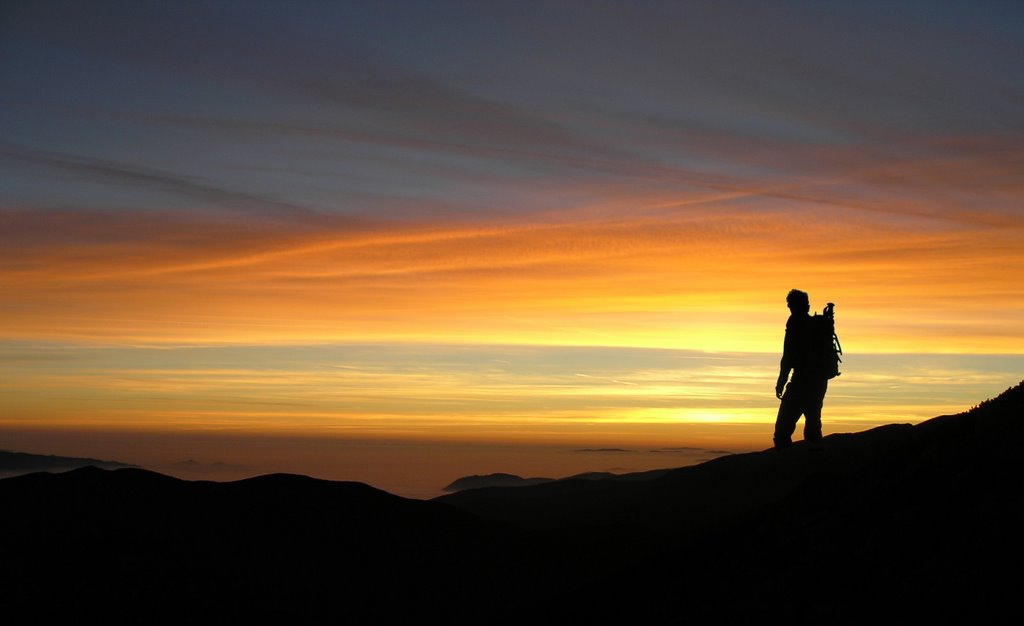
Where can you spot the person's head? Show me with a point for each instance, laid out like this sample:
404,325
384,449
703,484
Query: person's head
797,301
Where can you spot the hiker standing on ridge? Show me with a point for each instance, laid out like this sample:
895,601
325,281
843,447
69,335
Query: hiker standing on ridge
805,394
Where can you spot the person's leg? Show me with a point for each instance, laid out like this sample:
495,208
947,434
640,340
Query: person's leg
789,413
814,399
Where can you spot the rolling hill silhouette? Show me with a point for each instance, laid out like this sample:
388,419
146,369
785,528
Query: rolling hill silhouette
477,481
899,524
15,463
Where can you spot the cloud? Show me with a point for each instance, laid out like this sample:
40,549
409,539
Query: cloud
357,83
153,179
702,101
688,451
595,277
214,470
658,180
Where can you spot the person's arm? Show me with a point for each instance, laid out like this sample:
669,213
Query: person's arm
780,384
786,364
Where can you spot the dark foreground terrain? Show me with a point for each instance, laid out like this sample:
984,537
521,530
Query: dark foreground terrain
899,524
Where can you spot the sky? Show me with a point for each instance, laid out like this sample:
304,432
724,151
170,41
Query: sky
402,242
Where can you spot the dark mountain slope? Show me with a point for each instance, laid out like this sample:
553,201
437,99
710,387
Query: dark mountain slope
687,498
690,498
285,548
923,527
900,524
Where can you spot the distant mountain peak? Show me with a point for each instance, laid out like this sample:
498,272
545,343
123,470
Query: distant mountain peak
15,463
498,479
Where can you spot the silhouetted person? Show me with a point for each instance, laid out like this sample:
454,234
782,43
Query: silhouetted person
805,393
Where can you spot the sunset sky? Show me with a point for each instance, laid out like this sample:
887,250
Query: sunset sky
387,240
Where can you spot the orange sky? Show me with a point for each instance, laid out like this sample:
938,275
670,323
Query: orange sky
648,272
690,272
371,223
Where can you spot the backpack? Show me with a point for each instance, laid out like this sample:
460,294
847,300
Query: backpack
825,352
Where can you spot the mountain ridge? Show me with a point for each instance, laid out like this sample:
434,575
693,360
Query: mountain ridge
502,479
15,463
902,523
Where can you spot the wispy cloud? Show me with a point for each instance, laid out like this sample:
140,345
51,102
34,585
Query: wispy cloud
704,280
684,403
702,101
154,180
